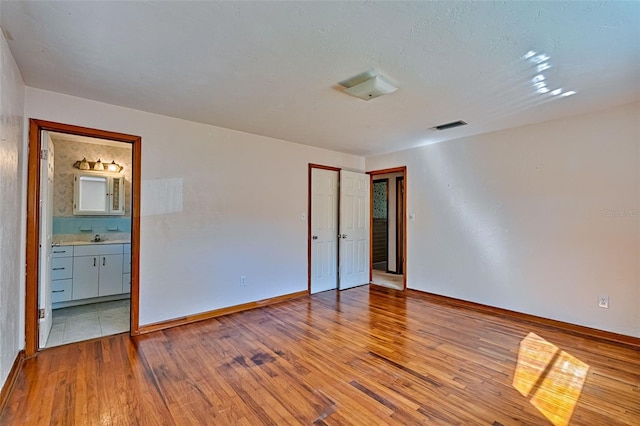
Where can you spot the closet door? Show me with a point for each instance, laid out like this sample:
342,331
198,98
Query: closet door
354,229
324,230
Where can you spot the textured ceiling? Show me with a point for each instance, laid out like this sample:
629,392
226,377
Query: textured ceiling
271,68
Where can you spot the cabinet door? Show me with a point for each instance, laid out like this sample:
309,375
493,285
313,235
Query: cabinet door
90,193
61,290
61,268
116,192
110,281
85,277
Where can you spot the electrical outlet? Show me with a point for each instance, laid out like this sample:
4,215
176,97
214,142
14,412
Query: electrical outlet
603,302
243,280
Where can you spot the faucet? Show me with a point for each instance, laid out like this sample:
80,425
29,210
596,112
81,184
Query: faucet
96,239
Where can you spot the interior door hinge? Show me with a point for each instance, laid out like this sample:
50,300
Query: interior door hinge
43,154
41,313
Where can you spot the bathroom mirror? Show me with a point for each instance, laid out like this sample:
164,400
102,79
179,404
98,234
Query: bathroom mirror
98,193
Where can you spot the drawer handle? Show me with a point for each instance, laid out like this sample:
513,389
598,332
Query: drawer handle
58,291
59,251
58,269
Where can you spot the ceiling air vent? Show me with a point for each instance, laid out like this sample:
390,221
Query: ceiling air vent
450,125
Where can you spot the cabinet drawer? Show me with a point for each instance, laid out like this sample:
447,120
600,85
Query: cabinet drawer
61,290
127,247
62,251
61,268
97,249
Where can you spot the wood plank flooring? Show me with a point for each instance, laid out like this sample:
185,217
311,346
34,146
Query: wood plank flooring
365,356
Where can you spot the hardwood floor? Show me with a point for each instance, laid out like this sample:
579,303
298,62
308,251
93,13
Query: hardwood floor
363,356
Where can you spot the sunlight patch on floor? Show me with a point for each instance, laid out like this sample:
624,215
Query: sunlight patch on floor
552,377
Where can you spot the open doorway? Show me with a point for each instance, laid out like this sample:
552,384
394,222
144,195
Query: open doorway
85,245
380,228
82,248
388,228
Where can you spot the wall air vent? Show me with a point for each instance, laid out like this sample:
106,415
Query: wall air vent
450,125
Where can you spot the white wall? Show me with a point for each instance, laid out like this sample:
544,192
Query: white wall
240,213
11,185
540,219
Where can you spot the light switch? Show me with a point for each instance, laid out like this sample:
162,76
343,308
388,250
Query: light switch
412,217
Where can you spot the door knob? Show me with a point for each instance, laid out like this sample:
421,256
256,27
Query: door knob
315,237
344,236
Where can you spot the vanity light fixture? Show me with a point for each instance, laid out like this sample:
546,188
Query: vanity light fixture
98,166
84,164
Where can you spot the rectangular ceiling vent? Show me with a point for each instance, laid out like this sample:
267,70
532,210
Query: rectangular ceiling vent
450,125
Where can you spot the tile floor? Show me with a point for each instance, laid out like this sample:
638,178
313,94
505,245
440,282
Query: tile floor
89,321
388,280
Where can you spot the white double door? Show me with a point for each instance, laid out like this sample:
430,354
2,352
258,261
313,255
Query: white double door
339,230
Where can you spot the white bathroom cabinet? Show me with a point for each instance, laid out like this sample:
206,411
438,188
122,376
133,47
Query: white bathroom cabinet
126,269
84,272
98,193
61,274
97,270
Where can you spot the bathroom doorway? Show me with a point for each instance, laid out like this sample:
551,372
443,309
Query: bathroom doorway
388,228
89,290
82,264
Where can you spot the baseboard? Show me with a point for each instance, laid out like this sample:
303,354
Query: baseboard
218,312
11,379
579,330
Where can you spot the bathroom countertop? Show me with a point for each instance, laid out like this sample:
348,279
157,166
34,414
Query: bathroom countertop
84,243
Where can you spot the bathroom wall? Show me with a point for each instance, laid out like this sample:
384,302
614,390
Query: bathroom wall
66,226
67,153
11,230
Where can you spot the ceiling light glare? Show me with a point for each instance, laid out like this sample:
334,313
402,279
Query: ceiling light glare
542,90
538,78
539,59
540,85
529,54
543,67
556,92
569,93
